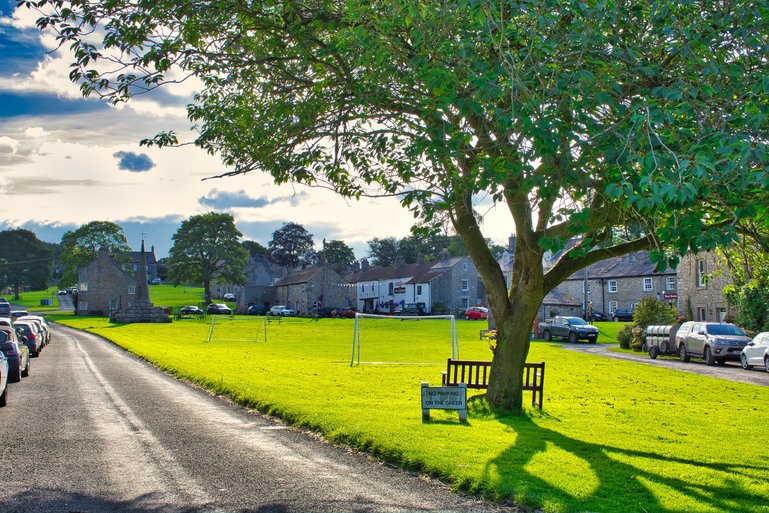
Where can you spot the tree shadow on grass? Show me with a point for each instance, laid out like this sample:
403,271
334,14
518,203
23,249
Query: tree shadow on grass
548,469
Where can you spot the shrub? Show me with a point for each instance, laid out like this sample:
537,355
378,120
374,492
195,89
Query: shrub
637,338
625,335
651,311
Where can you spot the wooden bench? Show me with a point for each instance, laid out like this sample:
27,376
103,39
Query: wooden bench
475,374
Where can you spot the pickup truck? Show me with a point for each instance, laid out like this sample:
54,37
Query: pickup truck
281,310
568,328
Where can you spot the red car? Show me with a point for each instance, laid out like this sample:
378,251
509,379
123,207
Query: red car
344,311
477,313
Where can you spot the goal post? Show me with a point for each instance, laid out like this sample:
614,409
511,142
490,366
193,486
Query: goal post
226,328
385,324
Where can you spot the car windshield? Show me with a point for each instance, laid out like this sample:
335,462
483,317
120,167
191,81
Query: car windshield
724,329
3,336
576,321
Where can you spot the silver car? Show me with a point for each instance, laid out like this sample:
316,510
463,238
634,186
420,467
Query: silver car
756,353
712,341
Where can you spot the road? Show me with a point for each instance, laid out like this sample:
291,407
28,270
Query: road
730,371
95,429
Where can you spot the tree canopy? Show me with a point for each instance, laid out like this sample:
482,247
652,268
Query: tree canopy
207,247
339,253
577,117
79,247
291,245
24,260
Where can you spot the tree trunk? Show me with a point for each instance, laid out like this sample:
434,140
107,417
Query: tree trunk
207,291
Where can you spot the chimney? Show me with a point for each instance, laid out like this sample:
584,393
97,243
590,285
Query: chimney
399,261
511,244
364,264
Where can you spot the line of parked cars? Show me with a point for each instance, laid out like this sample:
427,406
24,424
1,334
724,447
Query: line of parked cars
22,336
714,342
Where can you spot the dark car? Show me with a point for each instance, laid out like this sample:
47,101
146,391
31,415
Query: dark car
597,316
219,308
343,312
16,352
257,310
191,310
622,314
3,380
5,310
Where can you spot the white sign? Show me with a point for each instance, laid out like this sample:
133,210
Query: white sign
444,398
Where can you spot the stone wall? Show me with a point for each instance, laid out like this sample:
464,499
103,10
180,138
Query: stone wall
702,299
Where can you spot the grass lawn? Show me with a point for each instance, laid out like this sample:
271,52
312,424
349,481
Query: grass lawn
614,436
31,300
175,296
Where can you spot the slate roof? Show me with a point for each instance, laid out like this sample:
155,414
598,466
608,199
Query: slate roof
298,277
555,297
136,255
625,266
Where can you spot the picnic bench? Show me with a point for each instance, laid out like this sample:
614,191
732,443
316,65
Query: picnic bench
475,374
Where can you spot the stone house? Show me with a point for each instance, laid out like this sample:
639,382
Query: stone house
620,282
702,278
103,287
258,290
132,266
312,289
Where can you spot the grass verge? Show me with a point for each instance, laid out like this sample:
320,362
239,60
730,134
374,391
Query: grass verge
614,436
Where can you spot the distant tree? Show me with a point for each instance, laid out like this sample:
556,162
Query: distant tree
24,260
383,251
337,252
291,245
163,269
207,247
79,247
254,248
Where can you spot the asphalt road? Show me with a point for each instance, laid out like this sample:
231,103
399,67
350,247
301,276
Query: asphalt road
94,429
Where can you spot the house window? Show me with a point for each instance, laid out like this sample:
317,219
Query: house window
702,278
721,313
419,289
390,289
648,284
84,287
465,285
82,305
464,266
670,283
702,313
131,289
362,288
612,306
631,306
465,302
612,285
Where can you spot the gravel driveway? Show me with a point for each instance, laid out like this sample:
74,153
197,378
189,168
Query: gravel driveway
731,371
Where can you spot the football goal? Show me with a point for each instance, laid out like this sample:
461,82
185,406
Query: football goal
394,339
237,329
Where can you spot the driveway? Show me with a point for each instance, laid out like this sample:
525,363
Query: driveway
731,371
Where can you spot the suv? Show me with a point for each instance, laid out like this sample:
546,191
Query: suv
712,341
281,310
569,328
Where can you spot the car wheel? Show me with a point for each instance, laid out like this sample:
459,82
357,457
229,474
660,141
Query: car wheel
572,337
592,340
25,372
547,336
664,347
467,317
654,351
682,354
4,397
744,362
709,360
15,375
766,363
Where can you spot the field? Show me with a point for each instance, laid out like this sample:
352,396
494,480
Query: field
614,436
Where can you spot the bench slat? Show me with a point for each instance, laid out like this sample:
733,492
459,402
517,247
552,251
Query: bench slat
475,374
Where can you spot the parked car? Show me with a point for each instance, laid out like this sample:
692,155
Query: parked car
622,314
16,352
62,292
3,380
156,281
5,310
477,313
15,314
756,352
568,328
42,322
281,310
32,333
343,312
191,310
712,341
230,297
257,310
219,308
599,316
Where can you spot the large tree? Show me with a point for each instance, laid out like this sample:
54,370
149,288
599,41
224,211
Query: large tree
578,117
291,245
207,247
79,247
338,252
24,260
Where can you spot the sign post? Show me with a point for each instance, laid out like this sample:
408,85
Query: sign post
444,398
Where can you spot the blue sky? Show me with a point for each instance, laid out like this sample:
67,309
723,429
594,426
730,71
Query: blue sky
66,160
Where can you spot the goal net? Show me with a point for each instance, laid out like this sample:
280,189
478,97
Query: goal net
237,329
394,339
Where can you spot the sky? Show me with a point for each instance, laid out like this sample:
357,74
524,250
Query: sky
66,160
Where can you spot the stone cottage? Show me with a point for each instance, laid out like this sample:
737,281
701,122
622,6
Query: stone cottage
103,287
